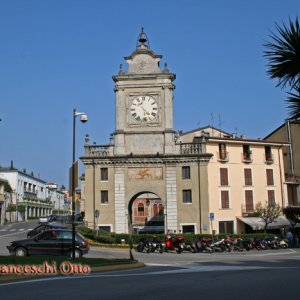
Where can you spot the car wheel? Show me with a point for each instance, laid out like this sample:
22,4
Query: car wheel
21,251
78,253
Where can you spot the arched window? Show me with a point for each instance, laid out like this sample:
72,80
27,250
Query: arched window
141,209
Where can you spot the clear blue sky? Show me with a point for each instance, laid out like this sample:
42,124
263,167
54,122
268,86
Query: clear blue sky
56,55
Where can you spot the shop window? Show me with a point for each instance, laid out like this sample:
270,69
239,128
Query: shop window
226,227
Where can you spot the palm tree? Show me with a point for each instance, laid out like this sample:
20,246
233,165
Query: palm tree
283,54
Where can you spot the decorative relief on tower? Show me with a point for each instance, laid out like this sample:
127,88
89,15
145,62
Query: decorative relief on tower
145,173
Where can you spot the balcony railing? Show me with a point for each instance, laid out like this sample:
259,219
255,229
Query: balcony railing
191,148
223,156
269,158
247,157
98,150
248,210
30,191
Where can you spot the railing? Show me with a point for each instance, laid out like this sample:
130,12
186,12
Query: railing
247,157
223,156
269,158
248,210
191,148
31,191
98,150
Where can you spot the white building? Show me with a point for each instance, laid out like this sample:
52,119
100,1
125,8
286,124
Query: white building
29,193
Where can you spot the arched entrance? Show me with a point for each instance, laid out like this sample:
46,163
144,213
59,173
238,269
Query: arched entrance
147,213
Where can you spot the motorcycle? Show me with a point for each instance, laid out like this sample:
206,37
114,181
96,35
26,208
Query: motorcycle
143,245
203,245
156,245
176,243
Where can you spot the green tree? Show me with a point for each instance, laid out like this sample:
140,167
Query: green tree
268,213
292,213
283,55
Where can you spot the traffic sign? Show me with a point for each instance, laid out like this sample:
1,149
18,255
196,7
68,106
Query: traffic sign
211,216
97,213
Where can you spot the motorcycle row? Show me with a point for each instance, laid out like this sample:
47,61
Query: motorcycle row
207,245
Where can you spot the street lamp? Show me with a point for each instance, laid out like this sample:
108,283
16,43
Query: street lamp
83,119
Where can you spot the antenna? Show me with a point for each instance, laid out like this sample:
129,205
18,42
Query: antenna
212,123
220,124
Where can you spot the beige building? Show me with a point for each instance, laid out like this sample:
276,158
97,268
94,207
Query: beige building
151,178
290,132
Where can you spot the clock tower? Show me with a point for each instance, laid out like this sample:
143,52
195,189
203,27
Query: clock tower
144,104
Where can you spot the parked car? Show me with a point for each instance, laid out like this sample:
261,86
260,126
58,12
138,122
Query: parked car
47,219
50,242
44,227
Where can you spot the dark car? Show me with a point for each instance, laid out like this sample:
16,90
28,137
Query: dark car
44,227
50,242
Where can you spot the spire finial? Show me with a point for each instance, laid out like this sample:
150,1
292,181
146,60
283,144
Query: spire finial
143,40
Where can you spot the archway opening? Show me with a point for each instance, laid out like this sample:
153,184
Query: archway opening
147,213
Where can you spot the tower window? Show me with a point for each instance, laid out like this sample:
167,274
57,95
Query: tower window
186,172
104,174
187,196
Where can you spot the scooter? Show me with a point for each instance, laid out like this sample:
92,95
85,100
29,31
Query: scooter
143,245
176,243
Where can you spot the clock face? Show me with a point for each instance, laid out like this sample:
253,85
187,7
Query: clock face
144,109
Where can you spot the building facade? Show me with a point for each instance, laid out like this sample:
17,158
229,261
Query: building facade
290,133
29,195
151,178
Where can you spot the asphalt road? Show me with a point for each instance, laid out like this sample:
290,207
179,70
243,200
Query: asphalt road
271,274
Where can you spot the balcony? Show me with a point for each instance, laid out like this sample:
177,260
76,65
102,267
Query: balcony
248,211
99,150
247,157
191,148
30,191
223,156
269,158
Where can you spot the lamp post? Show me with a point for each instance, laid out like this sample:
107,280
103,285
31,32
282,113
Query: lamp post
83,119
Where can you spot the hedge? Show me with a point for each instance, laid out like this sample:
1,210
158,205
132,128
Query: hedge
119,238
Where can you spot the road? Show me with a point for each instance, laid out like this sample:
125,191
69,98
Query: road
271,274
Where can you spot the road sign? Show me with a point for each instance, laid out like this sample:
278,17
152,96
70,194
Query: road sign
97,213
211,216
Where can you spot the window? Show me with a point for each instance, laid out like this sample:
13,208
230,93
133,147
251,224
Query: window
161,209
268,154
270,178
187,196
141,210
104,197
188,229
223,176
249,201
186,172
271,197
224,199
248,176
247,153
222,152
226,227
104,174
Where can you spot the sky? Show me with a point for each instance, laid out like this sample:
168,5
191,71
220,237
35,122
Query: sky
57,55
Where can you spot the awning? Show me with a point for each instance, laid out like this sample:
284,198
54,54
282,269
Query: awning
258,223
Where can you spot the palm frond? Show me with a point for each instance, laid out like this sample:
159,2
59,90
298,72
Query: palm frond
283,54
294,105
